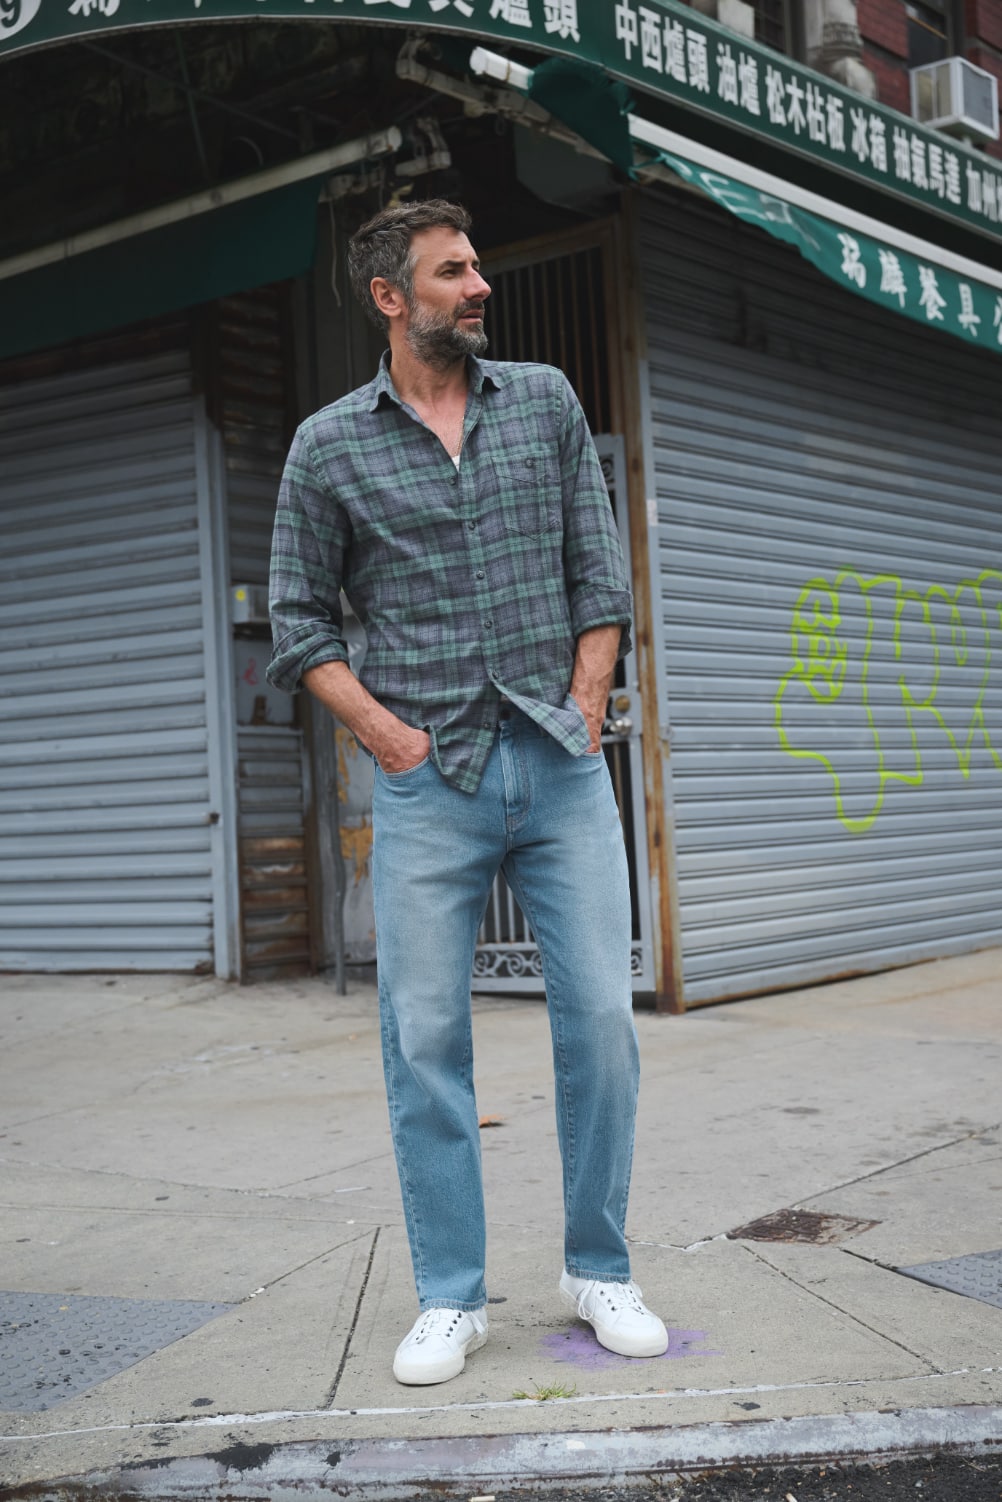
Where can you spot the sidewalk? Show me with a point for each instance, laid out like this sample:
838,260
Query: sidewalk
219,1157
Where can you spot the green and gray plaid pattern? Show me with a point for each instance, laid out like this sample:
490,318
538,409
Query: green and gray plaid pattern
469,584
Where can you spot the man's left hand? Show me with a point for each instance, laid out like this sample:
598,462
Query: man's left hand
594,722
594,661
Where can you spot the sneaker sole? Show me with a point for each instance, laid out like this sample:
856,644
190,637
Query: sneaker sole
428,1373
655,1347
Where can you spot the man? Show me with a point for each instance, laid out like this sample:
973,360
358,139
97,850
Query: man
460,505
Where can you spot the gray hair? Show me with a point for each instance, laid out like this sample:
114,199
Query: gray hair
382,247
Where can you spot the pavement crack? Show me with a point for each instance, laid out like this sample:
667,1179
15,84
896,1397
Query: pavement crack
290,1272
931,1369
869,1259
674,1246
329,1173
160,1212
332,1394
876,1173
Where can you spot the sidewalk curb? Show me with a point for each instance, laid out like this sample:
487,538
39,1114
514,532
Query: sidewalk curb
384,1470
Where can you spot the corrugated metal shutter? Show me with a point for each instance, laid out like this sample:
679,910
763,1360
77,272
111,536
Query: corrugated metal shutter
827,478
104,810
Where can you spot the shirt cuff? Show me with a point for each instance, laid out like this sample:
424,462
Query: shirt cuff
286,669
601,605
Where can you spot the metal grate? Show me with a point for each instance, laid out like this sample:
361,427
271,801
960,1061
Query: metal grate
55,1345
806,1226
554,311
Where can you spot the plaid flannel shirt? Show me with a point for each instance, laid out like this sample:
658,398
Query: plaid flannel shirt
470,584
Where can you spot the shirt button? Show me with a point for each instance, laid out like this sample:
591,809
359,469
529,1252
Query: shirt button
480,573
472,526
488,625
453,479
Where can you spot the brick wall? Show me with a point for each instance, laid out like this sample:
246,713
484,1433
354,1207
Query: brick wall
983,19
892,79
883,26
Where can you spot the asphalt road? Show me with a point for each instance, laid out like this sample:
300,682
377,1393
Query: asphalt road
945,1478
942,1478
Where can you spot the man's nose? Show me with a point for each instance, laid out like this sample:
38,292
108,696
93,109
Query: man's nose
478,289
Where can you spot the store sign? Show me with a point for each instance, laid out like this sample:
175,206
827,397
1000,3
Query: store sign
659,46
703,65
883,274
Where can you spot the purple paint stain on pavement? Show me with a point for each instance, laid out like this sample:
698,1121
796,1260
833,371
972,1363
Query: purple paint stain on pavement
579,1347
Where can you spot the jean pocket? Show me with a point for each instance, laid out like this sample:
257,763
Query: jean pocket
407,771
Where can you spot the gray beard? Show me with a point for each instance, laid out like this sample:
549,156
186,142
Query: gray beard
437,341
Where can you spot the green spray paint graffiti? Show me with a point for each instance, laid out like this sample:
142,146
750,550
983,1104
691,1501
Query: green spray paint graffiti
878,666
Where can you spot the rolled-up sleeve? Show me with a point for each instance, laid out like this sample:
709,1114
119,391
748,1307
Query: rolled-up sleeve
312,533
598,587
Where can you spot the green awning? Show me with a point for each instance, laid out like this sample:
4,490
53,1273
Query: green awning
232,249
727,89
883,273
595,106
923,281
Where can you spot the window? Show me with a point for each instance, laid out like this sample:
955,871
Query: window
933,32
773,24
778,23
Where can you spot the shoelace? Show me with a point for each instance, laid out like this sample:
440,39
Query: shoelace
437,1322
617,1296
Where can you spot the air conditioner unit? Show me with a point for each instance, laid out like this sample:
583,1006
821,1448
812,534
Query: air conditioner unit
955,96
250,604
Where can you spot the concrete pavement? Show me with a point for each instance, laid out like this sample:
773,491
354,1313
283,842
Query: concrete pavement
177,1142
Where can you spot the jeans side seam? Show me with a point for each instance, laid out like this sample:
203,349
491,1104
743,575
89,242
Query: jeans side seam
567,1095
407,1192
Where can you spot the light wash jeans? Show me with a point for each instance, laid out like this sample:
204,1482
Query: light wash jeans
549,820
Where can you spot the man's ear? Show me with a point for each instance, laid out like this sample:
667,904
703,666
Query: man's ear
388,299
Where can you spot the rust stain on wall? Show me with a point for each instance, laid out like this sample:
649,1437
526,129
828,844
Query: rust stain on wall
356,848
347,746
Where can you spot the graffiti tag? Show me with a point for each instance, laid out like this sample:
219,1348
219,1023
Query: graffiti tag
884,675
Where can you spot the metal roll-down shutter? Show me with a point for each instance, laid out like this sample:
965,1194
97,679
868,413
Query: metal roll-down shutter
104,783
829,580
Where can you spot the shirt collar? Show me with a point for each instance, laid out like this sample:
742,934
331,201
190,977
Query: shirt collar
482,374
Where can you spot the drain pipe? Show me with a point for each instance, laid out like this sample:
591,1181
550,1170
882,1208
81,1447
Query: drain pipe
363,148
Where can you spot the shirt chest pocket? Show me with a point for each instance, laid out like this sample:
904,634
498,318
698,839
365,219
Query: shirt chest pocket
526,491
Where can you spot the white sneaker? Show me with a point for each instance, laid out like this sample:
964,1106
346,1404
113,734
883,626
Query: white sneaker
438,1345
617,1314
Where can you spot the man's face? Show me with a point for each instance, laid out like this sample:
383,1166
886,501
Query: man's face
445,315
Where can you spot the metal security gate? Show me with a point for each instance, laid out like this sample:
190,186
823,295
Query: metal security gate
109,811
549,304
274,905
829,567
253,393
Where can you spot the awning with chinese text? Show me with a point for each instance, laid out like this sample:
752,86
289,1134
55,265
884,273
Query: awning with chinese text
895,270
763,100
885,274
